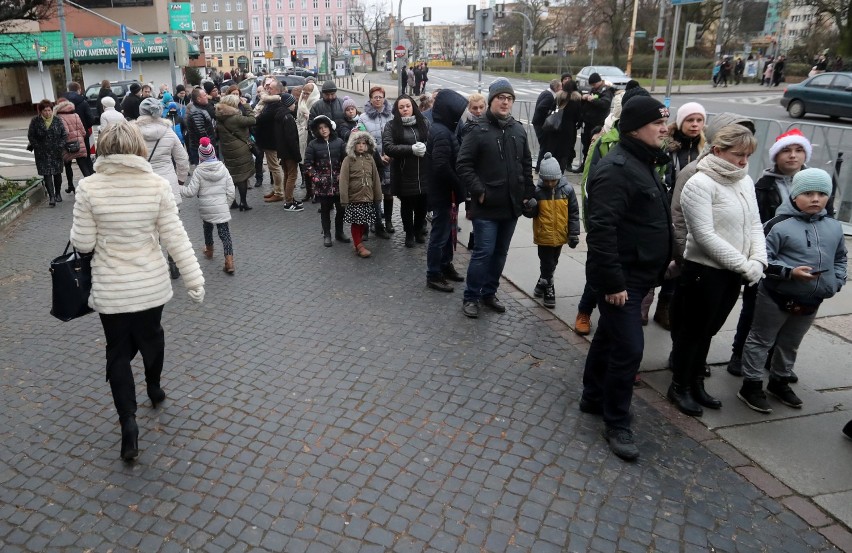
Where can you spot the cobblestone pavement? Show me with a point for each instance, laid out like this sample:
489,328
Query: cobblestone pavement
321,402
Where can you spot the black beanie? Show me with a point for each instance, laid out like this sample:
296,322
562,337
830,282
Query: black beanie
287,99
208,87
640,111
595,78
633,92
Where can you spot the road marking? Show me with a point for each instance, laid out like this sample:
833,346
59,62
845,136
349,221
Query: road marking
750,100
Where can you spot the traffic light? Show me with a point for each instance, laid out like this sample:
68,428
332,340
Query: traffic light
499,11
693,33
699,31
294,56
502,54
427,14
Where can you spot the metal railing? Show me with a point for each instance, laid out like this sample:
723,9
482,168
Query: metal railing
354,84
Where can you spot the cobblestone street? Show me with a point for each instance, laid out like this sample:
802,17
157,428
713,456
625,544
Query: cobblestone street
322,402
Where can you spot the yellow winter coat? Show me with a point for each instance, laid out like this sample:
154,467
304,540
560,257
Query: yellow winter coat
556,216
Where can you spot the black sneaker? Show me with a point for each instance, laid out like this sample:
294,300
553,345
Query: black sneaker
847,430
752,395
782,391
735,365
621,443
540,286
293,208
792,378
494,303
439,284
550,296
590,407
470,309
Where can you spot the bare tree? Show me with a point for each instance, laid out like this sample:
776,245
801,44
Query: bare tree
12,11
373,27
447,41
415,38
513,28
467,42
838,12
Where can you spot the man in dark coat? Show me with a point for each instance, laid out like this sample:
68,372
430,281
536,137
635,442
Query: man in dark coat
130,104
83,110
596,104
569,85
495,164
544,104
287,145
330,106
446,190
630,245
198,124
404,76
266,137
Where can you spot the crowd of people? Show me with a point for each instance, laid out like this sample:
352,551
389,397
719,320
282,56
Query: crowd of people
662,204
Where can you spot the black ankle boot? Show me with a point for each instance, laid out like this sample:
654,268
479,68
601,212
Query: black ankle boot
129,439
380,231
681,397
700,395
409,240
389,227
156,395
340,237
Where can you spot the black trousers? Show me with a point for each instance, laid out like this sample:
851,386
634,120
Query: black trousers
586,138
326,203
703,299
412,210
85,165
127,334
548,257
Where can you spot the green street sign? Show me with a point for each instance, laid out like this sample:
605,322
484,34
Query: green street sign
180,16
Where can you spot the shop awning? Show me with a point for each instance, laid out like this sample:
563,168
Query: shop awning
146,47
19,48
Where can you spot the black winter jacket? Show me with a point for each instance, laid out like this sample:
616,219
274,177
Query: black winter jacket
82,108
545,103
322,164
442,150
630,237
594,112
287,136
198,125
130,106
333,110
264,130
494,159
408,172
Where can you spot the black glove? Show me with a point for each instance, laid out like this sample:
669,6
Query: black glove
573,241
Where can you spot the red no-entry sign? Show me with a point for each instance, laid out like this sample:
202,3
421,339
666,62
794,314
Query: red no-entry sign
399,51
659,44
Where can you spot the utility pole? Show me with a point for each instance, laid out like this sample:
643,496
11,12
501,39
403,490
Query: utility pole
657,53
721,29
632,38
63,31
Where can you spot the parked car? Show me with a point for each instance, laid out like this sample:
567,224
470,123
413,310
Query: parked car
824,94
119,88
301,72
611,74
288,81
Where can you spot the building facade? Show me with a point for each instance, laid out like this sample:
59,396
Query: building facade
222,26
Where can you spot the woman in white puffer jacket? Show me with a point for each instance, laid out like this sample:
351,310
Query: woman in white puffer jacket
166,154
724,246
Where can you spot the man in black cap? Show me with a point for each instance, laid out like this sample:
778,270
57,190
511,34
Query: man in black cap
544,104
569,85
596,104
330,106
495,164
130,104
629,248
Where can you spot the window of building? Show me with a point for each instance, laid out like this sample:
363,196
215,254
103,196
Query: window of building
203,7
292,4
340,21
280,22
316,22
193,26
205,26
230,43
254,5
255,24
339,3
241,43
269,43
316,4
217,43
227,6
292,22
217,25
304,21
192,8
327,21
207,44
238,7
327,4
279,5
304,4
292,40
240,25
304,40
352,21
215,6
229,25
340,38
256,41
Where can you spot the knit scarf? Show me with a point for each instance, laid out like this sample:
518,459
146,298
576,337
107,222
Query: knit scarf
721,171
409,121
47,122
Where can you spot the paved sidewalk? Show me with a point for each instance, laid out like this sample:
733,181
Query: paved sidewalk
322,402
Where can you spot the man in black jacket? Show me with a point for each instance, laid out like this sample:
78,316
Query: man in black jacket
330,106
82,109
596,104
130,104
266,137
289,156
198,124
544,104
630,246
496,165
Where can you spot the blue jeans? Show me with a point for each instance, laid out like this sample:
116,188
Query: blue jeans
490,250
439,253
614,358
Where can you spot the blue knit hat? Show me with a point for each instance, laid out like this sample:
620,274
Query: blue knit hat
811,180
500,86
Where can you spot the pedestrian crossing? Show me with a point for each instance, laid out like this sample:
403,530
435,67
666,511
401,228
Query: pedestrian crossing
13,151
746,99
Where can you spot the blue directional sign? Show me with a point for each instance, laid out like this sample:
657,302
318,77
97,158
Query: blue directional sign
683,2
124,32
124,61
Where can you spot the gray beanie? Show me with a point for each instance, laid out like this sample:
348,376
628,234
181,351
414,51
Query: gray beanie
549,168
329,86
500,86
151,106
811,180
287,99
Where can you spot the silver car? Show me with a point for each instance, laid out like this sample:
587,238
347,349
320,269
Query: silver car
608,73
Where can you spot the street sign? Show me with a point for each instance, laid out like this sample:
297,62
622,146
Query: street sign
640,34
659,44
471,12
180,16
123,32
592,44
399,51
124,59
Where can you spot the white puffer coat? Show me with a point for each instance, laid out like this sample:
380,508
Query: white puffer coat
168,148
723,223
123,213
214,187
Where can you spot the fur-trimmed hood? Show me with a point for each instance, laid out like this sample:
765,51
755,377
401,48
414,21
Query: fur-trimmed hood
372,113
224,110
357,135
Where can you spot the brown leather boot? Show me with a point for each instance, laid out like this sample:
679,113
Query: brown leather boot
229,264
208,251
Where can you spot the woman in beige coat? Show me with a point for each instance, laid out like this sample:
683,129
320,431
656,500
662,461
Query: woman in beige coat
123,213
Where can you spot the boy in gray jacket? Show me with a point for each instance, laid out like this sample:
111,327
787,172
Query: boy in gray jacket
807,264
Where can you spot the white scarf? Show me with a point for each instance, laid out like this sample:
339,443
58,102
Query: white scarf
720,170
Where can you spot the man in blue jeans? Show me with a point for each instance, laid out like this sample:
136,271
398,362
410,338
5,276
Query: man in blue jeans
630,245
495,164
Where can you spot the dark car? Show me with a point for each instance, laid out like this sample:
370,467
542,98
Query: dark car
304,73
119,88
824,94
288,81
614,75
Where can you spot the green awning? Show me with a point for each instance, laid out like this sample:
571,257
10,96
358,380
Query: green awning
146,47
19,48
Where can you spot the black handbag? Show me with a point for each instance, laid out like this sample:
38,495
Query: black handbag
72,283
72,147
553,121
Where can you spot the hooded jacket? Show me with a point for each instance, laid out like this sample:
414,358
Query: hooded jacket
442,150
233,128
323,159
82,108
168,157
556,215
495,160
214,187
198,124
332,109
682,151
110,116
716,123
129,271
793,239
359,178
74,130
373,121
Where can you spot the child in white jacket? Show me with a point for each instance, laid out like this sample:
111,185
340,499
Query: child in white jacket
214,187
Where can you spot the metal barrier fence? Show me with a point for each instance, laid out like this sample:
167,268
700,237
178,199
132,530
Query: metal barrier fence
362,85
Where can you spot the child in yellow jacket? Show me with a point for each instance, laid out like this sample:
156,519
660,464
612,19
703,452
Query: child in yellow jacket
556,222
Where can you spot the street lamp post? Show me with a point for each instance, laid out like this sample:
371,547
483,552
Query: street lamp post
528,43
399,90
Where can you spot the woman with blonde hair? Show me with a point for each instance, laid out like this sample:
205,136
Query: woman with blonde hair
724,246
130,280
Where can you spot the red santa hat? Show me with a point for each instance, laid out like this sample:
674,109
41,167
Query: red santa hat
793,136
